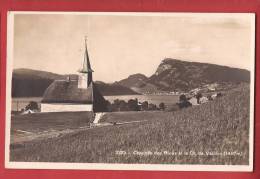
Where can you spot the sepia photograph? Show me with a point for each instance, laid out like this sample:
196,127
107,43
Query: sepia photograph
130,91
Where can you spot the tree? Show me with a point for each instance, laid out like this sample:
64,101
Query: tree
109,106
133,105
116,102
144,106
152,107
209,97
219,95
183,102
198,96
123,106
32,106
182,98
162,106
118,105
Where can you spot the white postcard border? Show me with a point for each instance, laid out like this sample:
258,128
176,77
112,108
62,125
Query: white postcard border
113,166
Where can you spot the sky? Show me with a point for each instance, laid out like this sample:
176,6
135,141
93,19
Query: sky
123,44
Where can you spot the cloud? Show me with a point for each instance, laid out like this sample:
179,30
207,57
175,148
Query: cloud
221,22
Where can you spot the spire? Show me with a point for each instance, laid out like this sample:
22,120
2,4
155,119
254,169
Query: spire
86,68
85,76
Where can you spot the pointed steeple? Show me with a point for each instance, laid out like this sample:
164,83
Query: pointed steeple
85,72
86,67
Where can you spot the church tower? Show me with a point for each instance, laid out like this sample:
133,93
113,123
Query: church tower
72,95
85,72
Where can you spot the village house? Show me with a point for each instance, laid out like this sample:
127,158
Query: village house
74,94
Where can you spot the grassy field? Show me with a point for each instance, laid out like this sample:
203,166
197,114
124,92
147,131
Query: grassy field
37,122
41,125
212,133
129,116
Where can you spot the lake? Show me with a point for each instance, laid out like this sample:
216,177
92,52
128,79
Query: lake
19,103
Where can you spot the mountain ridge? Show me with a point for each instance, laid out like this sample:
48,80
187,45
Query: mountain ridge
171,75
33,83
178,75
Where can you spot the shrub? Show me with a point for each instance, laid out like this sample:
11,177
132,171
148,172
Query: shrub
219,95
183,102
182,98
198,96
144,106
209,97
133,105
162,106
32,106
152,107
118,105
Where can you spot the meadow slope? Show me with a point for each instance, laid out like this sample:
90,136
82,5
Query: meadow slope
213,133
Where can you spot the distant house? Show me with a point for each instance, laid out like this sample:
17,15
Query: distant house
197,101
212,87
74,95
203,99
194,101
195,91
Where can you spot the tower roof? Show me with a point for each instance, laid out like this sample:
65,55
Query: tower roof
86,67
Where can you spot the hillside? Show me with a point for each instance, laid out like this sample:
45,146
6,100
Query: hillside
24,73
218,126
33,83
177,75
136,80
27,82
114,89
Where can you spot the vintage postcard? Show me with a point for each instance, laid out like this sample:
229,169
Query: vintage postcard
130,91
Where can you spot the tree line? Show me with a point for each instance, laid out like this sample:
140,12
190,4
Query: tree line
133,105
